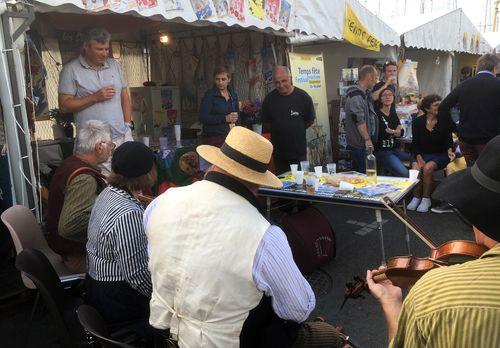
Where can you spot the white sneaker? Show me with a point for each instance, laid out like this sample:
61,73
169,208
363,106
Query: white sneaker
424,206
414,203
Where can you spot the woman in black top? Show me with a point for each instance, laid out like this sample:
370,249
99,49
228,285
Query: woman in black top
432,150
387,147
219,109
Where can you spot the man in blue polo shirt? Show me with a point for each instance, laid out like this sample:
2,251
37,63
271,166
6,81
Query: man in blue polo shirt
92,87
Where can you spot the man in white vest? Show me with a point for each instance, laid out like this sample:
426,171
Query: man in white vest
222,275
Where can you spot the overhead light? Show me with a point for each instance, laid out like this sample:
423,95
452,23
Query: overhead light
164,39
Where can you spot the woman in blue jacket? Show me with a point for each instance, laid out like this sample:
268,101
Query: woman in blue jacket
219,109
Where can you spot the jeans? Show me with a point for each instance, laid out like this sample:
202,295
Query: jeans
358,157
392,160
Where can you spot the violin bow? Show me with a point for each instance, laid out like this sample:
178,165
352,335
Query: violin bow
393,208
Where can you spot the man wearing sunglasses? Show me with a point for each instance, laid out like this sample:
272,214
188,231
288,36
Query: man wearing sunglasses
287,111
73,190
459,305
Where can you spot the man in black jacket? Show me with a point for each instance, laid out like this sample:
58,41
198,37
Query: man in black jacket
479,104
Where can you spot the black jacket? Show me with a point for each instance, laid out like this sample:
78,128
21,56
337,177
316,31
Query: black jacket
478,99
213,110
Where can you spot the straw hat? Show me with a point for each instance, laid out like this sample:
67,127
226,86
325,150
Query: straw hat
245,155
475,191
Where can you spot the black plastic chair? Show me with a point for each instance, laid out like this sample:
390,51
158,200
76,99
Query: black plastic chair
61,307
94,324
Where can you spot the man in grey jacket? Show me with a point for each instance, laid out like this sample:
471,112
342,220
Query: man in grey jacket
361,124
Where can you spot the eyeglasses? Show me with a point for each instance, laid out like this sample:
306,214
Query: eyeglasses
112,144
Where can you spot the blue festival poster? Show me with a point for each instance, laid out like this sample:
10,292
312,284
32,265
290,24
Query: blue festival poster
201,8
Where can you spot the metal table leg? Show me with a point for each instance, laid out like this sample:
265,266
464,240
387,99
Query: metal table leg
268,208
378,217
407,234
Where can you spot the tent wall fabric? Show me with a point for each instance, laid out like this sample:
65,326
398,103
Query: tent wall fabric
449,31
318,20
434,71
336,55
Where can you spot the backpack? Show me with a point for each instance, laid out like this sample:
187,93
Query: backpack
311,239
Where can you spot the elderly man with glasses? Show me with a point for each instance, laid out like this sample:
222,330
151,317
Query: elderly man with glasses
73,191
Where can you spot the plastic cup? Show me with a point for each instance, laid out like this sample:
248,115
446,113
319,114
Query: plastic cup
346,186
257,128
331,168
413,174
299,177
304,166
294,168
177,129
316,184
310,184
318,170
145,141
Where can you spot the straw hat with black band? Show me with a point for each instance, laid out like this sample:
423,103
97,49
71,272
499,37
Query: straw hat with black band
244,155
475,191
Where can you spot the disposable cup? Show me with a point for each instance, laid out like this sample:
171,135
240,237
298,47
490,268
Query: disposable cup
145,141
331,168
318,170
304,166
294,168
346,186
316,184
299,177
413,174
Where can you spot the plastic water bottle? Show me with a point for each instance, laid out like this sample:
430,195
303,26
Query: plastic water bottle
371,167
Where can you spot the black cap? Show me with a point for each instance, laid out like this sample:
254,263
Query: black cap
132,159
475,191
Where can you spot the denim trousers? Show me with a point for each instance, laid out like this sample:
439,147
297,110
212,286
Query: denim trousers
392,161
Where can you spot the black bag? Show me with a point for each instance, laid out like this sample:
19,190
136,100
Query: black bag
311,239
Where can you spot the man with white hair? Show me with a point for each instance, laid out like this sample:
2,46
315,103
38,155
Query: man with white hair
72,193
288,111
92,87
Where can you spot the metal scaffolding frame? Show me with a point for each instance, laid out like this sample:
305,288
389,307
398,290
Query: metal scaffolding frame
15,19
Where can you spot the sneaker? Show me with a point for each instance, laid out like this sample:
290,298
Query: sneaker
424,206
442,208
414,203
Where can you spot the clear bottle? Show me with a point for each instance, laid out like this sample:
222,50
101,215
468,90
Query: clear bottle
371,167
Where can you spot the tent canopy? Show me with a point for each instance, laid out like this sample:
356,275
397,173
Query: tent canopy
273,16
450,31
319,20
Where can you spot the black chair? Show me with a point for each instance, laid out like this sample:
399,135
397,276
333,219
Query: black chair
94,324
60,305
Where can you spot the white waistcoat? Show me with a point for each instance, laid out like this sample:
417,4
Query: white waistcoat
203,239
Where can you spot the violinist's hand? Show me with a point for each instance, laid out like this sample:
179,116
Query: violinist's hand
384,291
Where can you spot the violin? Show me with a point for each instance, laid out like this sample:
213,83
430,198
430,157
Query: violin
404,271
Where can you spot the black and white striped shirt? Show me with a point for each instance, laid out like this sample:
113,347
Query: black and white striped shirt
117,243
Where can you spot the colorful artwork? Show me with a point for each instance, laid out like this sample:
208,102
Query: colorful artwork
285,10
221,7
172,5
268,63
257,8
273,10
95,5
201,8
237,9
145,4
122,5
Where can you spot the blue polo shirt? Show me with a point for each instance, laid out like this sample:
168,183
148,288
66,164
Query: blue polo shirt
79,79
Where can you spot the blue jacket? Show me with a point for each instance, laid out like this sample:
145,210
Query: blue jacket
213,111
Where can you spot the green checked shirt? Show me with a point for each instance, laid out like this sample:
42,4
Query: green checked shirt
456,306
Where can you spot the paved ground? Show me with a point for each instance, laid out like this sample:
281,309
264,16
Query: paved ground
357,249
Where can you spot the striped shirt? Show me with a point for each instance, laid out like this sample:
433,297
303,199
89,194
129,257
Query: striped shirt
456,306
275,273
117,242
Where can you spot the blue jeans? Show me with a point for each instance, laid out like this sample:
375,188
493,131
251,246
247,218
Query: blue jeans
358,157
392,160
